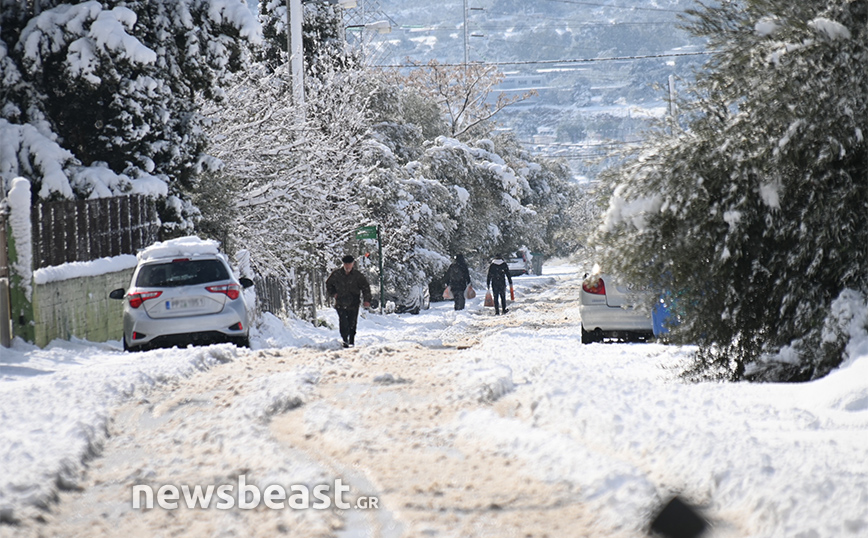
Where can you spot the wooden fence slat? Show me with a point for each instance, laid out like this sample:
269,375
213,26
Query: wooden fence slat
57,256
126,233
104,223
70,238
82,230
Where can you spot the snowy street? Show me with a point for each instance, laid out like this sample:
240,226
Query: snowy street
445,424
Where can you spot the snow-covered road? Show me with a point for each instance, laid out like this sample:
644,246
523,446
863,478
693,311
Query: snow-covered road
453,423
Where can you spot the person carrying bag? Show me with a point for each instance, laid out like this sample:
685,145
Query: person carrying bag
498,274
458,277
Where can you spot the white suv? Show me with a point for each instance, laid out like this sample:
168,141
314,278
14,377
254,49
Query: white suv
608,311
183,292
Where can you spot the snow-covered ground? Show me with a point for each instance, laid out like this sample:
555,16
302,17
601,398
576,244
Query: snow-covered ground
612,420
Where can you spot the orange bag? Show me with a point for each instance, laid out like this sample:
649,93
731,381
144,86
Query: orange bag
447,293
470,293
511,294
489,299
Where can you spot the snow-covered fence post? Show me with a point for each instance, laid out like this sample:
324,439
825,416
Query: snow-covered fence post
5,309
20,258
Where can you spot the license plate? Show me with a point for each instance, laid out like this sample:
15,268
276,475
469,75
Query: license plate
184,304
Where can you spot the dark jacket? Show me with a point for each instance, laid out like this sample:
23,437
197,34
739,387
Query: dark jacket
498,274
458,276
348,287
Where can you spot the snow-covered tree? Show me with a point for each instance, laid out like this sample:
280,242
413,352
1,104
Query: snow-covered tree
293,176
755,216
461,92
497,198
99,98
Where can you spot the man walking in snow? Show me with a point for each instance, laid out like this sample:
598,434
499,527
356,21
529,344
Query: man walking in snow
345,285
458,277
498,274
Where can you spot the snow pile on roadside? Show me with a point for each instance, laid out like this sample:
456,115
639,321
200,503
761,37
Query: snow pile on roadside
53,423
615,421
271,331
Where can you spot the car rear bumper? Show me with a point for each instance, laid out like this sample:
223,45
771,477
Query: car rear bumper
608,319
169,332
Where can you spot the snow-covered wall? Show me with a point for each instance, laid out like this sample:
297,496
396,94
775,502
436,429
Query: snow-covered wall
79,306
64,301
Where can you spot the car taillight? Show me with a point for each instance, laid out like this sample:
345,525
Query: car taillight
233,291
594,287
136,299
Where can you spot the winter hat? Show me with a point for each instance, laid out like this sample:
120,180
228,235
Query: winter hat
348,259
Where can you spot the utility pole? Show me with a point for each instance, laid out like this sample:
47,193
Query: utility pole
673,110
466,53
294,16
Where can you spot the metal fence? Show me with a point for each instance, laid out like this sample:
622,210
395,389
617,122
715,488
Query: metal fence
300,294
84,230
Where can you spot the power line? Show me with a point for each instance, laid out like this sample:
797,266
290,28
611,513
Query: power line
629,8
568,61
502,25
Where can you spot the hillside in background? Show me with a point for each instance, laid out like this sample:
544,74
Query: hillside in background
587,103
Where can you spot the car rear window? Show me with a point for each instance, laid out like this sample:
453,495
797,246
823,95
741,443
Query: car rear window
181,273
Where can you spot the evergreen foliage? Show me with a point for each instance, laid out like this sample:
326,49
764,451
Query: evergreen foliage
755,215
115,84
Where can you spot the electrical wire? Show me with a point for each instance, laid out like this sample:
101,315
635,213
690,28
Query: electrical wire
555,62
628,8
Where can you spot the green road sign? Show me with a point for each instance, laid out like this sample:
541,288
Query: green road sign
366,232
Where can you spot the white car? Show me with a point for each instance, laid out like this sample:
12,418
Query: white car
608,311
183,292
518,264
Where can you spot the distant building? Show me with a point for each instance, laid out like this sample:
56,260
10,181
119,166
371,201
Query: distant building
516,85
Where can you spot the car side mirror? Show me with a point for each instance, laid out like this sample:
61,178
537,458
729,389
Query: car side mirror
117,294
245,282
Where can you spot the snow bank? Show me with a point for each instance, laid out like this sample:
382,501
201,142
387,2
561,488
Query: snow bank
617,422
52,423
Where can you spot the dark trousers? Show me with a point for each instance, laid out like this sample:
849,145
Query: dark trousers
348,316
459,299
499,298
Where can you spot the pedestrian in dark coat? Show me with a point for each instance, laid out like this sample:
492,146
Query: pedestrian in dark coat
345,285
498,274
458,277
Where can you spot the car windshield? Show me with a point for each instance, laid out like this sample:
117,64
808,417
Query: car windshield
181,273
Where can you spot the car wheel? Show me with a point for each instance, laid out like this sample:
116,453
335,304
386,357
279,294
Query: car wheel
243,341
588,338
124,339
